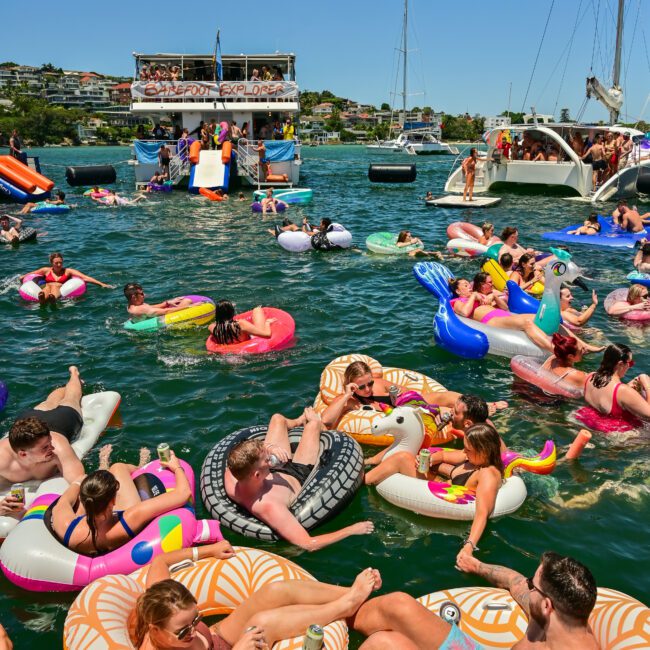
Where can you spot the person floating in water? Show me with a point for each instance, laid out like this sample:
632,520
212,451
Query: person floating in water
139,309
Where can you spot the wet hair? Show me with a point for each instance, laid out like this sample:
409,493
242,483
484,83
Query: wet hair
130,289
563,346
645,249
156,606
96,492
453,285
479,279
243,457
507,232
325,224
476,408
60,195
486,227
570,585
621,203
226,329
26,432
486,441
506,261
402,236
635,292
593,217
612,356
53,256
4,217
354,370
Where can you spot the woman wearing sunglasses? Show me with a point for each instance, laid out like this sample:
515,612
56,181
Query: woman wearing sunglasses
166,615
606,393
636,300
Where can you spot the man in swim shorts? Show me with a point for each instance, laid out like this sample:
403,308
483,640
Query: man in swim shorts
32,451
631,220
267,492
139,309
59,200
61,410
10,232
557,600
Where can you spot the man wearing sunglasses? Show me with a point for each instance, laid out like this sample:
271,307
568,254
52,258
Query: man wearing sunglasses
139,309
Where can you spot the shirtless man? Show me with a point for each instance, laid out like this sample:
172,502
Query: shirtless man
268,493
598,162
631,220
59,200
10,232
139,309
625,149
270,202
557,600
32,451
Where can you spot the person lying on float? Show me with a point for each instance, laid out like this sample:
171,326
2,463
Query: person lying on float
138,308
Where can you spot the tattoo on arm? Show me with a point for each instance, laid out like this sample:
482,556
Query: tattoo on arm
505,578
520,592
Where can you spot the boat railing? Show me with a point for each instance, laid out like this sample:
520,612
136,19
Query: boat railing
179,163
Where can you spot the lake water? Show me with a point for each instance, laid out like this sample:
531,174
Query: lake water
596,510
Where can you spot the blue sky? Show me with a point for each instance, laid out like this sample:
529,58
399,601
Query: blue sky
463,55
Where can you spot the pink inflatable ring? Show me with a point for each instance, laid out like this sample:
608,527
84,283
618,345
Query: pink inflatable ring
33,285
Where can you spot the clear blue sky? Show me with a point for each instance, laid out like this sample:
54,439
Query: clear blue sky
463,54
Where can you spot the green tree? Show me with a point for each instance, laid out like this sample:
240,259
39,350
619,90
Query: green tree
427,110
385,107
8,64
334,123
347,136
515,118
564,115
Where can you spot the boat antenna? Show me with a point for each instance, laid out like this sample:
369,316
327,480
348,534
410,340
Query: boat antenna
404,42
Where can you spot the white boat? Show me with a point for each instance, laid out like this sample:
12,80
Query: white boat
568,170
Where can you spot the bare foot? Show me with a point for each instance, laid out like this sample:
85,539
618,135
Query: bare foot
145,456
105,456
41,298
310,415
493,407
361,588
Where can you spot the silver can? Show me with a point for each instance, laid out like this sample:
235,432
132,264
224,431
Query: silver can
314,638
18,492
164,452
274,461
393,393
423,461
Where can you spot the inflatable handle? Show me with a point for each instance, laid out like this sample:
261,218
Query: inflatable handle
207,531
543,463
579,443
519,302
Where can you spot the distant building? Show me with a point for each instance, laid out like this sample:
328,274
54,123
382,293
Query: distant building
497,122
323,109
120,93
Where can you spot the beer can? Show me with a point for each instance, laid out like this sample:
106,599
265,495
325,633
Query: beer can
393,393
18,492
164,452
423,461
274,461
314,638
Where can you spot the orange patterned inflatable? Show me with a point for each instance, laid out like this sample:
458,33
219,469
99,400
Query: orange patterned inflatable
359,423
97,618
493,618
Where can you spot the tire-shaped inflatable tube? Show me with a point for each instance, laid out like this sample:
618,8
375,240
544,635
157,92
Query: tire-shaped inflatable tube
464,239
97,410
639,278
160,187
500,279
98,617
492,618
201,312
605,423
358,423
282,334
610,235
530,370
25,234
256,206
47,208
300,242
101,191
385,243
32,558
329,488
34,284
620,295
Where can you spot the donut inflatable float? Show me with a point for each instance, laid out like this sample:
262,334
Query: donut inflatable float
385,243
620,295
33,285
200,312
531,371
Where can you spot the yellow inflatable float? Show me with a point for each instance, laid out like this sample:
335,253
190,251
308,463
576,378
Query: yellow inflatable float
491,617
97,619
500,277
358,423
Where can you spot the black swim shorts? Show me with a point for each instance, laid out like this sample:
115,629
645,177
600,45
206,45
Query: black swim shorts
297,470
62,419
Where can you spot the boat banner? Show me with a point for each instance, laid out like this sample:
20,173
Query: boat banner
213,90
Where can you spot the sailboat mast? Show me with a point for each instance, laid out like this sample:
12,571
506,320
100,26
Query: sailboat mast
619,44
406,13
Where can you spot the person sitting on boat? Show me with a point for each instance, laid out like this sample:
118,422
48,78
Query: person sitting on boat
487,237
570,315
567,351
269,202
510,237
139,309
103,510
606,393
56,275
636,300
9,232
625,149
479,302
362,389
226,330
642,257
527,274
267,492
59,200
404,238
553,154
478,467
591,226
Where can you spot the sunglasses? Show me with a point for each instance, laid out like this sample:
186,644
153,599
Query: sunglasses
532,587
183,632
370,384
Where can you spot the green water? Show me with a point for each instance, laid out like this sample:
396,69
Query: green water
342,302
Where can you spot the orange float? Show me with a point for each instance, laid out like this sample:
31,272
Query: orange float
210,194
23,175
195,150
277,178
226,152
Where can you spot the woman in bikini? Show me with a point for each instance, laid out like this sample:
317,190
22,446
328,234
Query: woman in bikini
226,330
570,315
404,238
527,274
469,169
55,275
566,352
488,238
590,227
102,511
481,303
166,615
478,467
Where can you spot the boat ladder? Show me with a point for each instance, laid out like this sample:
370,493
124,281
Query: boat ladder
179,164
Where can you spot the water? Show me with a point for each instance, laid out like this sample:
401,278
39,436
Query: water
344,302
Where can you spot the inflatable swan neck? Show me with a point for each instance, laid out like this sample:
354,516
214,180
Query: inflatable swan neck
406,425
543,463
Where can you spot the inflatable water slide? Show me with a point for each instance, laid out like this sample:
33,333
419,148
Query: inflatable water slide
21,183
210,169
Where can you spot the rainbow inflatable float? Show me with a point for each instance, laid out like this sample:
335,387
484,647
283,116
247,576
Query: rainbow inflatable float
98,617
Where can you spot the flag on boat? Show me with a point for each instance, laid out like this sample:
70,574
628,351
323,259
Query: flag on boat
218,65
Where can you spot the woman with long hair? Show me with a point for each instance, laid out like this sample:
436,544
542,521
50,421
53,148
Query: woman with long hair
527,274
567,351
487,238
570,315
405,238
478,467
166,615
226,330
469,169
103,510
